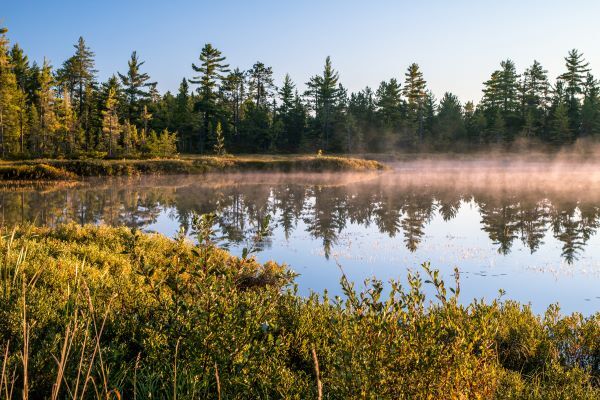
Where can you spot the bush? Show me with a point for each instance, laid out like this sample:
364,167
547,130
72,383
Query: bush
122,312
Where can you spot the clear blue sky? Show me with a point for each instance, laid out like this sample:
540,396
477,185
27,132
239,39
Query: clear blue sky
457,43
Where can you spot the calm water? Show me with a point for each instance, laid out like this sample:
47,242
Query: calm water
530,229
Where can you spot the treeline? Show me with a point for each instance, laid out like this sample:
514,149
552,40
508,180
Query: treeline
66,112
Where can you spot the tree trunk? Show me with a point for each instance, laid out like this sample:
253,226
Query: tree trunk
2,131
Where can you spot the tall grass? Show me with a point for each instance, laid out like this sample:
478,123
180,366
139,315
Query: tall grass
32,170
98,312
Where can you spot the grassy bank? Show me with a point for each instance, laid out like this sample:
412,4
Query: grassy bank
92,312
47,169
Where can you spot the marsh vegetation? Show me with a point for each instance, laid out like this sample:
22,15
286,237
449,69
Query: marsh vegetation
99,312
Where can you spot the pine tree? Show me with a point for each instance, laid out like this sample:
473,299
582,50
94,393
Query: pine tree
535,101
415,94
136,85
260,83
78,74
219,147
71,135
449,125
361,120
46,108
590,110
234,93
574,80
559,130
183,116
501,103
212,70
284,115
324,95
9,100
389,104
20,66
110,121
574,77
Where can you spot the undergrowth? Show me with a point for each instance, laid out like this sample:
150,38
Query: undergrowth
99,312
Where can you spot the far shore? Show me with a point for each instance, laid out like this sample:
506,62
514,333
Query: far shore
67,169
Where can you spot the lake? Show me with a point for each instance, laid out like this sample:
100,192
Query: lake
527,227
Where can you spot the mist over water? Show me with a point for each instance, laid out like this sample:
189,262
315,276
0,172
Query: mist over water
528,225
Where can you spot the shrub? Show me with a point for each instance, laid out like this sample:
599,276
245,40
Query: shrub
100,312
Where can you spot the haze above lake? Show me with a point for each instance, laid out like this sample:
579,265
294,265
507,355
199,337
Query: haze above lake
527,227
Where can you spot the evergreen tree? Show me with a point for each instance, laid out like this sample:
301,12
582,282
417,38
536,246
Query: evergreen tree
78,74
389,104
136,85
501,102
535,101
183,121
324,95
574,80
590,110
9,100
260,83
110,121
361,123
46,108
290,117
20,66
219,147
71,136
559,128
415,93
212,70
234,93
449,125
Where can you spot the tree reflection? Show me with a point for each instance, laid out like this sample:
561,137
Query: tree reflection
323,210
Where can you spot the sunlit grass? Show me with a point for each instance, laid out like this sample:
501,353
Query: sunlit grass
99,312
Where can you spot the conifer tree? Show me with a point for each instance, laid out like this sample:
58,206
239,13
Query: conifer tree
110,121
260,83
324,95
78,74
46,108
219,147
136,85
574,80
212,69
234,93
389,104
71,138
9,100
590,110
20,66
535,101
449,125
559,127
415,94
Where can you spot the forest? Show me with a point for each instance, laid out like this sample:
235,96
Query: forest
64,111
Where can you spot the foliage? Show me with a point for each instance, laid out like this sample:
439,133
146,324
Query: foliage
67,113
98,312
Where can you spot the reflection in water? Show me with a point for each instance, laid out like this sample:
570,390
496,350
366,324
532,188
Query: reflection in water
399,204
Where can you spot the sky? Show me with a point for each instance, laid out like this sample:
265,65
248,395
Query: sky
456,43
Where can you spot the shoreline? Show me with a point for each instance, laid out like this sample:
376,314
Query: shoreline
67,170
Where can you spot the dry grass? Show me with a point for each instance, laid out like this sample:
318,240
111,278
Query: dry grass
32,170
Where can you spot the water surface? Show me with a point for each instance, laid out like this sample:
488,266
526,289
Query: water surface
527,228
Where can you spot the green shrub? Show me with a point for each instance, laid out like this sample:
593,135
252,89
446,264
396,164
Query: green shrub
92,312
